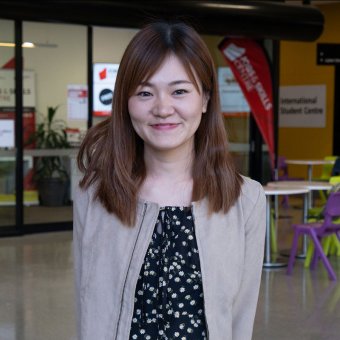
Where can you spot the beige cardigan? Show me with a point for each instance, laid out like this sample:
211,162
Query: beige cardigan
108,257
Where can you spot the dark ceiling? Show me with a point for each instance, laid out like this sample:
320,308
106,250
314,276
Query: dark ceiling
256,19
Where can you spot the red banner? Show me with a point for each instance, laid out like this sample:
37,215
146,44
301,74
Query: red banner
249,65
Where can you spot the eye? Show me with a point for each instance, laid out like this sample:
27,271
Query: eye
144,94
181,91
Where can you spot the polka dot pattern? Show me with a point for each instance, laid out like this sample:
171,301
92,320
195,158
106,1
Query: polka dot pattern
169,294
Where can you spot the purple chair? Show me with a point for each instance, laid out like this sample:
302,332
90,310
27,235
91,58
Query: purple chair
282,167
316,231
283,175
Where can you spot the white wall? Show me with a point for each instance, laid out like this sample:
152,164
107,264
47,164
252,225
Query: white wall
109,43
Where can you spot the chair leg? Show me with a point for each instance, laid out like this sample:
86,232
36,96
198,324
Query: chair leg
293,252
309,255
324,259
326,245
336,245
285,202
273,235
322,197
314,259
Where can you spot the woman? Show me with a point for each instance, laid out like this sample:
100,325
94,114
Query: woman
168,237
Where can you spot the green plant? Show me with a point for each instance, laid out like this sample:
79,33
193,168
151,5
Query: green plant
50,134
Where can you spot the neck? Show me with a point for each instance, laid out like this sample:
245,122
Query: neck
168,166
169,178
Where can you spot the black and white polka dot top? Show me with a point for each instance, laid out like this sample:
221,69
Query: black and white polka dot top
169,295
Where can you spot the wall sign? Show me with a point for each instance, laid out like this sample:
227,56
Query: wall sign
7,88
302,106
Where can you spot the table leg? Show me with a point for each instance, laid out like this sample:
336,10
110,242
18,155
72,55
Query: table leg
310,172
267,247
268,262
310,177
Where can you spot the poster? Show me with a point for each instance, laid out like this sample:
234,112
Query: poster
231,95
302,106
77,102
104,78
8,114
7,133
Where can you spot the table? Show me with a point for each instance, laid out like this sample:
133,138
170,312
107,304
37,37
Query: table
310,186
275,191
309,163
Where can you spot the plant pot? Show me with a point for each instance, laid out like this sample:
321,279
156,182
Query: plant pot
52,191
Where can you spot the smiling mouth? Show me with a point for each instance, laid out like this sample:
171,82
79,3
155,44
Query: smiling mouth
164,126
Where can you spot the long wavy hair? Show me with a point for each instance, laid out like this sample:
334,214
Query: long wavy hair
112,154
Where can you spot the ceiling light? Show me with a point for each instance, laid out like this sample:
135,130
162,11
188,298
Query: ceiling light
26,44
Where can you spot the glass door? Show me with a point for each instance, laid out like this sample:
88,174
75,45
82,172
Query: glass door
55,103
7,126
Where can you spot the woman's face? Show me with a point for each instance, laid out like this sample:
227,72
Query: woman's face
166,109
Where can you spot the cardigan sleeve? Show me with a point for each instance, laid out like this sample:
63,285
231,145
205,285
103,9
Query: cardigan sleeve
245,302
80,207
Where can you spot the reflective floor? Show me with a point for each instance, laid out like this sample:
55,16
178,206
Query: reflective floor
36,287
36,292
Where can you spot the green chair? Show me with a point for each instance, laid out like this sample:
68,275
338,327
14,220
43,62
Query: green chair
330,244
325,175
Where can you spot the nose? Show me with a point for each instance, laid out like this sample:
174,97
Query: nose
163,106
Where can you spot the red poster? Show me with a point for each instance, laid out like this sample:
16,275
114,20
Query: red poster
249,65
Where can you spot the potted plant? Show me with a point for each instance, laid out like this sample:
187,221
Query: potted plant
50,172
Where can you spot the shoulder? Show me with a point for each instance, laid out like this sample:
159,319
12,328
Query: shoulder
251,189
252,195
83,196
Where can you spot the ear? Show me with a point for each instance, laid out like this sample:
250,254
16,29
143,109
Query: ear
206,98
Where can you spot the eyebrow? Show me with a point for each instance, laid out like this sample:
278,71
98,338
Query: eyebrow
175,82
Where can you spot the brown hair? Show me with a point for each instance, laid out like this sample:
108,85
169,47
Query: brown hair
111,155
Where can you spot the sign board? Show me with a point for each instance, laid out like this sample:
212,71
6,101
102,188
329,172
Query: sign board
302,106
328,54
249,64
104,78
7,88
231,95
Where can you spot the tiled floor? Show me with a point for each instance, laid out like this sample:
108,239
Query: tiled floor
36,288
36,293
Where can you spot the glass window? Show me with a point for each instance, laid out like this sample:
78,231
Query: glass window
236,116
55,85
7,125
